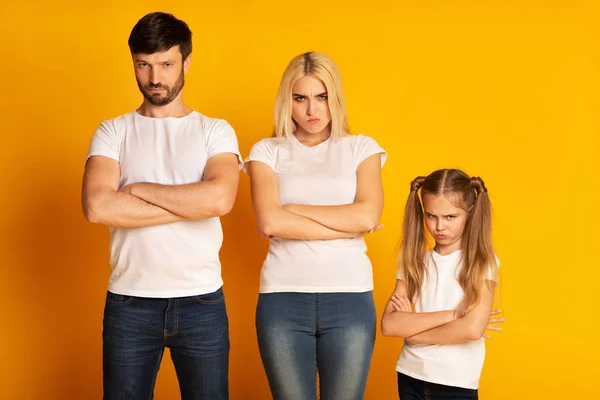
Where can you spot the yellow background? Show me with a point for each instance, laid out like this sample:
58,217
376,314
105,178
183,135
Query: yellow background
508,90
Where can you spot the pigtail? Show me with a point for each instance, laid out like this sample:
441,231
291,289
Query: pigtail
414,243
479,259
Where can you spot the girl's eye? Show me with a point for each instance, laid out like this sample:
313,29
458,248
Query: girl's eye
299,98
323,97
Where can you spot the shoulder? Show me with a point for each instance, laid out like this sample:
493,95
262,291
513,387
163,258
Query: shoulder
271,143
117,125
358,139
210,124
364,146
351,139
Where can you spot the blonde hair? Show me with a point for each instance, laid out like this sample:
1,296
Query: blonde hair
320,66
478,256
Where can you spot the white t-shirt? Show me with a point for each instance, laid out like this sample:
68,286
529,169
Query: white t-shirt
180,258
324,174
457,365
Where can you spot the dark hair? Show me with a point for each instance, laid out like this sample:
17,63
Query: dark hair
157,32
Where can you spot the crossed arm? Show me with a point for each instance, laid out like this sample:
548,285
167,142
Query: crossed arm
442,327
306,222
145,204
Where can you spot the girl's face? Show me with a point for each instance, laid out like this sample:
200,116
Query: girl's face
310,107
445,222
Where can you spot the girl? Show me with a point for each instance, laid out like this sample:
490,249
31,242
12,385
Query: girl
316,191
451,287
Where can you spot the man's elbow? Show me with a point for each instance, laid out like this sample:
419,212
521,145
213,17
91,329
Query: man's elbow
224,205
92,212
90,215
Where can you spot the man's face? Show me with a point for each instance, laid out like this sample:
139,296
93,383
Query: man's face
160,76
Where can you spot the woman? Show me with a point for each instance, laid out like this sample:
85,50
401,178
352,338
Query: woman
316,191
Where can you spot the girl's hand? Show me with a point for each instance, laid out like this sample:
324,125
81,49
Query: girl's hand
400,303
492,321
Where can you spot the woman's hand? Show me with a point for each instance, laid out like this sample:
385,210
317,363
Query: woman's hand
490,326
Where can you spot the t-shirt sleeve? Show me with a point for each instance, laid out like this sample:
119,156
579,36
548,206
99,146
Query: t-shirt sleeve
105,142
400,271
366,148
494,271
221,138
262,151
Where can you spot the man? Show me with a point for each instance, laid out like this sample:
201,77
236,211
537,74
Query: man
160,177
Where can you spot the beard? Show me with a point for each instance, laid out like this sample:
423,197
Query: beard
162,99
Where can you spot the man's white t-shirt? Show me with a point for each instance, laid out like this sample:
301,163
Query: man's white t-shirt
457,365
180,258
324,174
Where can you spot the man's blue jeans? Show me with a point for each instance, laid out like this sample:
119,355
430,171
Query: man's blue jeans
137,330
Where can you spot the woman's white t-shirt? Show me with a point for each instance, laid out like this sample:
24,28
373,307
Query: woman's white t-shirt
324,174
457,365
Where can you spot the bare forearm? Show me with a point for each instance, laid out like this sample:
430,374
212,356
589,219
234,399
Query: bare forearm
465,329
355,217
193,201
123,210
408,324
457,331
285,224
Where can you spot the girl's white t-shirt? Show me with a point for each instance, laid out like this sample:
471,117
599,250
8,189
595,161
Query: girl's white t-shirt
457,365
324,174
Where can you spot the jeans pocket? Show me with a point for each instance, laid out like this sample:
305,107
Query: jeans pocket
118,299
215,297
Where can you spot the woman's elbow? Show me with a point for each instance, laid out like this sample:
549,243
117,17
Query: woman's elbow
475,332
268,226
368,222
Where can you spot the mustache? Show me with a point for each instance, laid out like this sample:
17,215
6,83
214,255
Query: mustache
155,86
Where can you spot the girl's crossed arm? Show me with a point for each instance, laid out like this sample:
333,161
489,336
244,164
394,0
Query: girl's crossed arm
398,319
470,327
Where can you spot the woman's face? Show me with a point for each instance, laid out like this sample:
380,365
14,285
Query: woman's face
310,107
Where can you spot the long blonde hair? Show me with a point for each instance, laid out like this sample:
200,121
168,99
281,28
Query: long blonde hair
478,256
321,67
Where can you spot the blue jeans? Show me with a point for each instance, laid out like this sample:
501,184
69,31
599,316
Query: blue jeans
414,389
136,331
300,333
